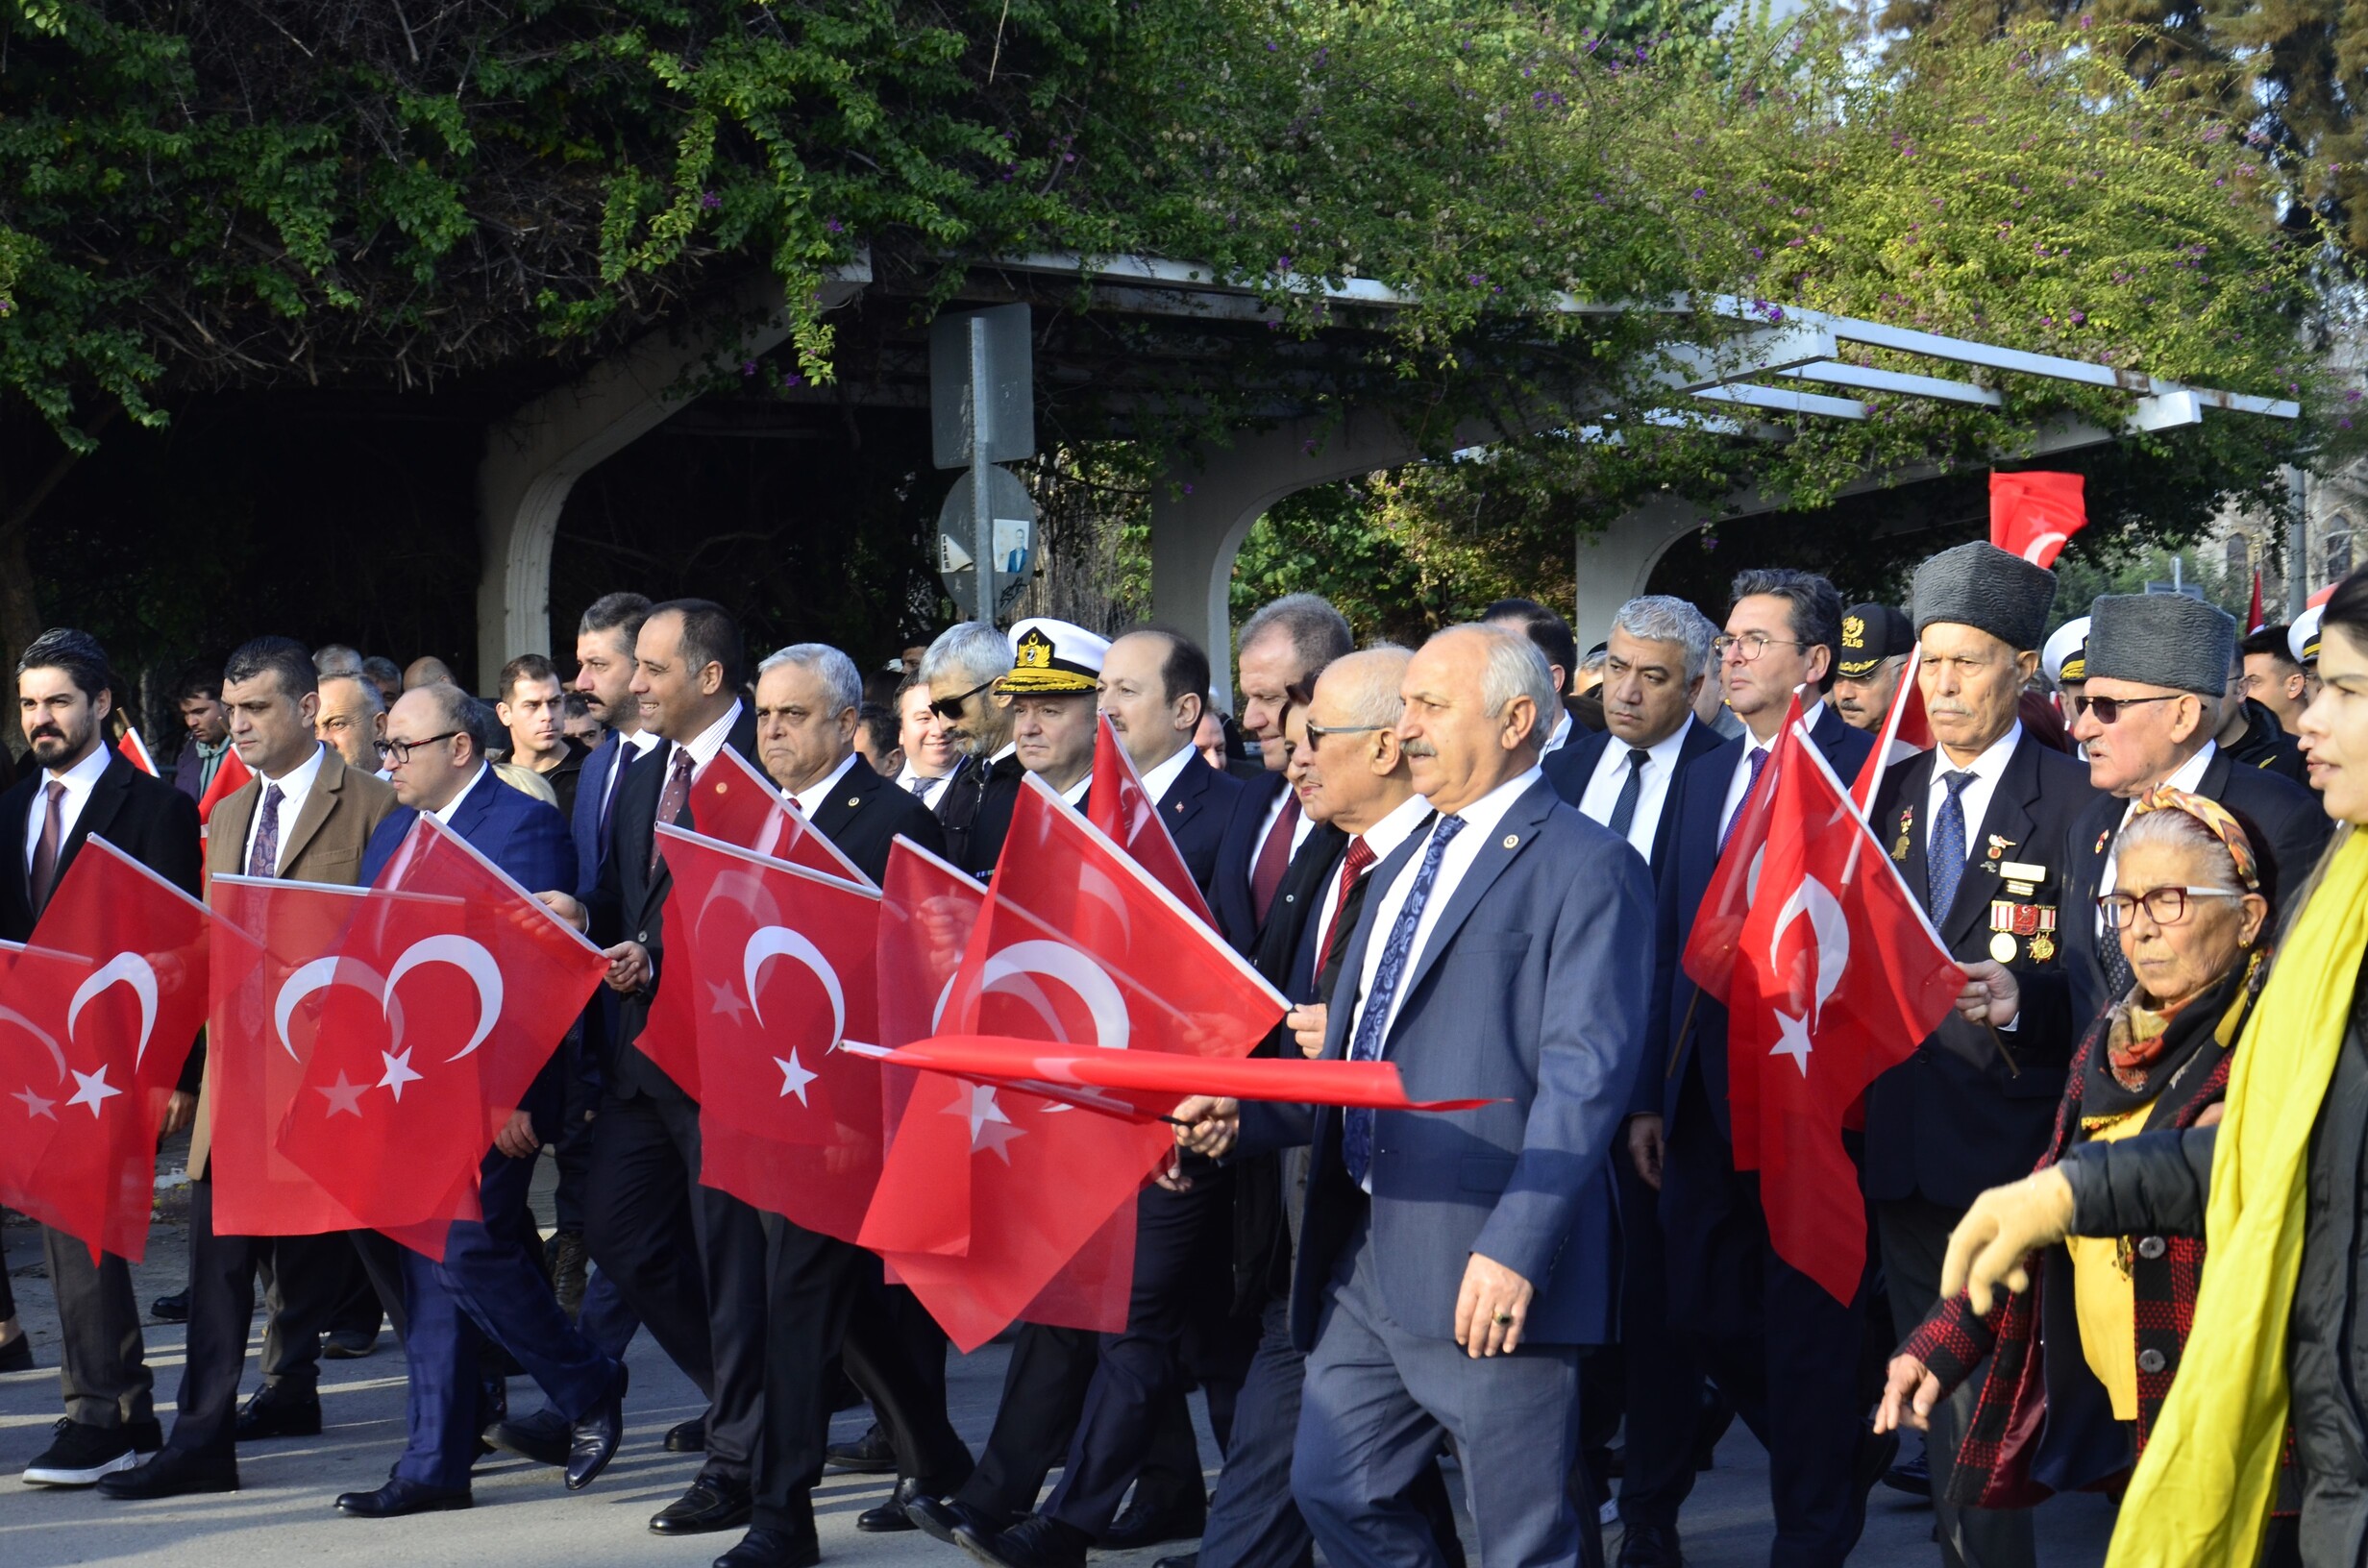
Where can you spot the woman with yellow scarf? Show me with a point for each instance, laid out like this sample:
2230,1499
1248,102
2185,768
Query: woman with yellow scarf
2280,1191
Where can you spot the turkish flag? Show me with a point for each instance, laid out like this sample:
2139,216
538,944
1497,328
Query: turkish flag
791,1121
2255,620
1076,946
732,803
1145,1086
2034,513
1837,978
1906,732
134,751
1123,810
229,774
97,1014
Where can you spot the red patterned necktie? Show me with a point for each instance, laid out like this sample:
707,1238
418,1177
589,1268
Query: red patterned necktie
1355,864
1265,878
45,853
676,796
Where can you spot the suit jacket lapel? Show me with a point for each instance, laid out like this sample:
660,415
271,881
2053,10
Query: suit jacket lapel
98,813
319,801
849,796
2008,819
1914,793
1184,796
1515,830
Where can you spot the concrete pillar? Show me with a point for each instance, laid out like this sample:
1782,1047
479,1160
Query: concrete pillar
1615,564
533,459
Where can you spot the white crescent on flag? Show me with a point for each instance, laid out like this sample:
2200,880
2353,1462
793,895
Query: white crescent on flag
1826,924
779,941
1008,972
319,975
10,1015
470,956
125,970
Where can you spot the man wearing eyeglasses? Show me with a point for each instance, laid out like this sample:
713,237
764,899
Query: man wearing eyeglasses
960,670
2158,669
1976,827
1785,1351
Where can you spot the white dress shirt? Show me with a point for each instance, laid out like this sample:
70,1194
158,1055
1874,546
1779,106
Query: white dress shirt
2187,776
1610,776
630,748
1075,795
1161,779
445,814
295,787
1741,780
703,748
1480,819
810,798
1382,837
1986,770
79,780
1564,725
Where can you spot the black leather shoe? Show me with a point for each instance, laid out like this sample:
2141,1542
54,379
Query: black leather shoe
712,1504
17,1356
1034,1542
175,1471
1139,1526
1914,1477
939,1517
543,1437
399,1497
773,1549
172,1308
870,1454
270,1413
593,1442
892,1515
1649,1546
687,1436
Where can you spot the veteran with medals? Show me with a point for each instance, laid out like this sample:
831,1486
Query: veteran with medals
1977,829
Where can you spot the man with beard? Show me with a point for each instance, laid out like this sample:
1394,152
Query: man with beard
960,670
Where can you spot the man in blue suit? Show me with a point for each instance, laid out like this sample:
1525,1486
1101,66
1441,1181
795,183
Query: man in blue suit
1284,647
1782,1349
1451,1266
1154,687
488,1286
1656,661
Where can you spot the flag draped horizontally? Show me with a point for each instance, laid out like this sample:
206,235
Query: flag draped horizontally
1076,946
1836,975
784,1009
97,1016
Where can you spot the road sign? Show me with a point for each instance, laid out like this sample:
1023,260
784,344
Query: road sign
1004,363
1013,513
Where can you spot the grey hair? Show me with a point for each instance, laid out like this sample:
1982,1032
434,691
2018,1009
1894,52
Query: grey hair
971,652
835,670
1514,669
1373,681
1662,618
1318,633
2169,828
336,659
372,699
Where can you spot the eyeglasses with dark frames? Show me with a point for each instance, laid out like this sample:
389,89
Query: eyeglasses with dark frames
2108,709
399,753
1317,732
2164,905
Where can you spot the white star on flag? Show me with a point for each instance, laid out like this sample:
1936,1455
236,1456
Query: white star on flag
725,1002
34,1105
990,1127
398,1073
794,1078
345,1095
1793,1041
93,1090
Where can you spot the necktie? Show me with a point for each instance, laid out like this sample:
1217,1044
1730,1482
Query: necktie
1265,878
1624,809
1944,855
921,787
263,860
674,798
45,852
1758,765
1355,865
609,790
1374,1022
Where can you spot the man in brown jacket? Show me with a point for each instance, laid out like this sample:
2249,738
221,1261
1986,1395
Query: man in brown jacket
304,816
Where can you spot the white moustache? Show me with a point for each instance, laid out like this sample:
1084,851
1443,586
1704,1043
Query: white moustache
1418,748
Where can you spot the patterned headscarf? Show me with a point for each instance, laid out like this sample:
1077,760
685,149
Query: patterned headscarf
2216,821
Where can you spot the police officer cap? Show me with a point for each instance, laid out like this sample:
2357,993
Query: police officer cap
1871,633
1989,589
2162,639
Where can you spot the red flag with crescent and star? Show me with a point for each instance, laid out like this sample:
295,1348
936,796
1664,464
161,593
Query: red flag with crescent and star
1125,811
1077,945
2034,513
97,1016
787,1028
1836,977
446,994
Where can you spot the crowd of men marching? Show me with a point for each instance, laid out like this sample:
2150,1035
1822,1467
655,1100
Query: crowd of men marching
1457,857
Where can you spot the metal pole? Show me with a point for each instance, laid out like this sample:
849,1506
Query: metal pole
982,505
2298,543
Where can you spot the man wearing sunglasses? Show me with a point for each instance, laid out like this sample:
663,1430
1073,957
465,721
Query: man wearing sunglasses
2158,669
960,670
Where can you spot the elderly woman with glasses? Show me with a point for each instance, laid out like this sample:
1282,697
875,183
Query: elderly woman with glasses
2187,911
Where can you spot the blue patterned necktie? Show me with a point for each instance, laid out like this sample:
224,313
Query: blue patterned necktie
263,860
1357,1125
1751,787
1944,856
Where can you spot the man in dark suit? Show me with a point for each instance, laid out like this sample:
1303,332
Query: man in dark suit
1976,827
826,1299
488,1286
1782,1349
1656,662
1451,1266
307,816
198,694
1154,688
1283,648
2157,667
706,1304
81,787
960,670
